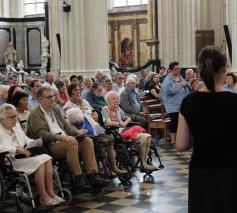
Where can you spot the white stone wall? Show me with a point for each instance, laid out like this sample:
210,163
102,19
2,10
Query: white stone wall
83,34
178,21
11,8
176,31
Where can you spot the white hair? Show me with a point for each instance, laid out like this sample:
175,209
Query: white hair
2,88
75,115
130,78
189,70
4,108
109,95
98,72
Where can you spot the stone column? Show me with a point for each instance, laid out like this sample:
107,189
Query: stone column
54,29
150,19
176,32
134,53
5,8
83,32
232,22
115,28
11,8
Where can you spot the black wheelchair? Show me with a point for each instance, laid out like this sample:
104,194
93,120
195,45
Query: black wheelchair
18,185
128,154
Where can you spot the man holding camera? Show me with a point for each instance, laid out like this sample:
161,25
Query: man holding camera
173,90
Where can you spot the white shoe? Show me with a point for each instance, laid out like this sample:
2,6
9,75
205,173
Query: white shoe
49,203
59,199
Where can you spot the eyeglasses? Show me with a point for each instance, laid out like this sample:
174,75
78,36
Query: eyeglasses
49,97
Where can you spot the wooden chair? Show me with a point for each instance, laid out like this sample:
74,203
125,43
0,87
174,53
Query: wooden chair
149,102
145,97
157,119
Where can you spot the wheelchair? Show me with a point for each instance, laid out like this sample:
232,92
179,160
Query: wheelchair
18,185
67,179
128,155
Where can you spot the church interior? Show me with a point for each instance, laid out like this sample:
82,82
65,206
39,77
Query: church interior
108,59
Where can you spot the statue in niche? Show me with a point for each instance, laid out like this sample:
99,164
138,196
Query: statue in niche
126,53
45,55
10,55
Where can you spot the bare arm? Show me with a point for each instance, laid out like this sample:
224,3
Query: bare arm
183,138
154,93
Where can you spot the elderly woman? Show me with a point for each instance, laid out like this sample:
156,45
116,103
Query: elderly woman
114,116
87,84
77,102
107,87
20,101
13,140
3,93
173,90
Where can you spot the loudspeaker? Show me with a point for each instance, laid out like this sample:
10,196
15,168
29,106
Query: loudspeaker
228,40
66,8
59,42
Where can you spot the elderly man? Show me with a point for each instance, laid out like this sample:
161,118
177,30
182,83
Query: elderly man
98,76
130,103
47,122
49,81
188,75
28,80
118,82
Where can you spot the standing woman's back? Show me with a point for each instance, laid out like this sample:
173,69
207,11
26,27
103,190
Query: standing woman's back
207,121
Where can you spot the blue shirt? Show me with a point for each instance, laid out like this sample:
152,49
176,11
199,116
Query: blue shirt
228,88
134,98
32,102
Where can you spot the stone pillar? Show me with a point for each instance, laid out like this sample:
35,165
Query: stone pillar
54,29
83,32
115,28
176,32
11,8
134,53
150,19
232,22
5,8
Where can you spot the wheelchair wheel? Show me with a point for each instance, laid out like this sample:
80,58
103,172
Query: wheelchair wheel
23,208
66,195
2,189
125,179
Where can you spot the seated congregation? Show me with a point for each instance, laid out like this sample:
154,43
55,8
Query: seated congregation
92,129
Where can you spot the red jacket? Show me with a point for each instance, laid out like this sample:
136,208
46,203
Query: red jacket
131,133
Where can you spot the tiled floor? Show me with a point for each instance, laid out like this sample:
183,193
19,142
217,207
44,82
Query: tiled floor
168,193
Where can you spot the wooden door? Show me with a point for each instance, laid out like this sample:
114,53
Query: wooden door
203,38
